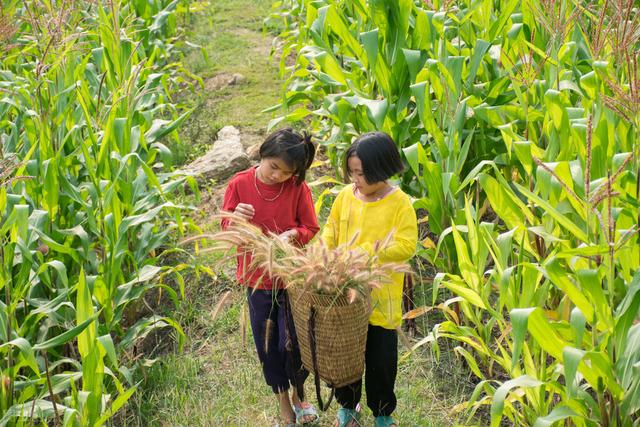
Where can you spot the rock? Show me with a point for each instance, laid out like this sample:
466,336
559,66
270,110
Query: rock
237,79
223,80
225,158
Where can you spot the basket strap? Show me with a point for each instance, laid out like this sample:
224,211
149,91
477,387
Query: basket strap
314,359
289,348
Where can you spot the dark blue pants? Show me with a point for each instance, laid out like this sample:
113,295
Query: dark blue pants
275,337
381,367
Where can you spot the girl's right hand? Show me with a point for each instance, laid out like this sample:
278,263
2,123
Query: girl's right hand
245,210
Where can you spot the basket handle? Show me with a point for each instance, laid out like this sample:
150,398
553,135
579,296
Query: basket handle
314,359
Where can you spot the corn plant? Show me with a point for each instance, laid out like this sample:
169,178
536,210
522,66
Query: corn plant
518,121
86,106
551,291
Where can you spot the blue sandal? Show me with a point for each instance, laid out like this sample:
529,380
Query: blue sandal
385,421
345,416
305,412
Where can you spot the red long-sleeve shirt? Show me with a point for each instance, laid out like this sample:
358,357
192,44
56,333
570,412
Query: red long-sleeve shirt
292,209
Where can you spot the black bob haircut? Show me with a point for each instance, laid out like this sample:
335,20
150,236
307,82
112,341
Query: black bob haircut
378,154
295,149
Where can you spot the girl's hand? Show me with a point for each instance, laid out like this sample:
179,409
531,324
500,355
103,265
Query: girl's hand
245,210
288,235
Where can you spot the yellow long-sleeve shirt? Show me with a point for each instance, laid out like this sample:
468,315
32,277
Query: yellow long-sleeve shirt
373,221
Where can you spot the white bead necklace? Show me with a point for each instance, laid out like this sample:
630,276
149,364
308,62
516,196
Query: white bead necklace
267,199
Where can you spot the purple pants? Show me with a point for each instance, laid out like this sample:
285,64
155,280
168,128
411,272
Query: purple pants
275,337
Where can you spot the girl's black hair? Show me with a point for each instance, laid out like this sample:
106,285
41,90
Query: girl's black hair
295,149
378,154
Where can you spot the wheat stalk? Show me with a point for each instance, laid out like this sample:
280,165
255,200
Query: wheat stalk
344,270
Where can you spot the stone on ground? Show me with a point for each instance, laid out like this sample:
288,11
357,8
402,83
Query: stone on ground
226,157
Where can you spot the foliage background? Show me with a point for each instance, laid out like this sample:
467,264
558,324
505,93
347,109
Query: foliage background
518,121
87,200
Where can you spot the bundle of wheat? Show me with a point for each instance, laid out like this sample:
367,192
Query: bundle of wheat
343,270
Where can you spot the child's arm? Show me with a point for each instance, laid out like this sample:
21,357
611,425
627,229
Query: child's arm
232,203
307,220
403,244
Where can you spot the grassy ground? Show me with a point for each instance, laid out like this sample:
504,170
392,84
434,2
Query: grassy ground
231,33
217,379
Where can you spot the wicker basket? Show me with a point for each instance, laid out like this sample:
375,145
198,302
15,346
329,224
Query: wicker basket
339,331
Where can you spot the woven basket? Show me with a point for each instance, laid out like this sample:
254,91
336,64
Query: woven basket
339,330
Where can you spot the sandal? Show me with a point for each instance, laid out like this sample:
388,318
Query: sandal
385,421
302,412
346,416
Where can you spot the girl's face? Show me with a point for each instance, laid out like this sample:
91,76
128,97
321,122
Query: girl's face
274,170
356,174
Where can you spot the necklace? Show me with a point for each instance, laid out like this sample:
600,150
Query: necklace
267,199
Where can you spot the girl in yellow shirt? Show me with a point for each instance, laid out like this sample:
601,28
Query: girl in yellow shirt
372,208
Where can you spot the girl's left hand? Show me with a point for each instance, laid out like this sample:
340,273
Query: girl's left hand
288,235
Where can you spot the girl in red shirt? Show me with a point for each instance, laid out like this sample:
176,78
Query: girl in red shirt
275,197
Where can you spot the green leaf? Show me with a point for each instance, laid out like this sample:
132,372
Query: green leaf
555,108
40,408
578,323
369,40
497,405
376,110
504,16
109,348
571,358
467,293
471,361
559,413
422,95
57,247
480,49
557,273
466,266
143,326
27,352
115,406
503,202
414,153
628,370
59,267
336,23
627,312
415,61
161,128
541,330
519,323
589,84
592,286
51,187
560,218
66,336
85,311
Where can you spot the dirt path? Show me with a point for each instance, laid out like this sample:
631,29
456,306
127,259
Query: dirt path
217,379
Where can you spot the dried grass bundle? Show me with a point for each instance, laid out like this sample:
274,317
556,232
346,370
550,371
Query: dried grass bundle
344,270
340,271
